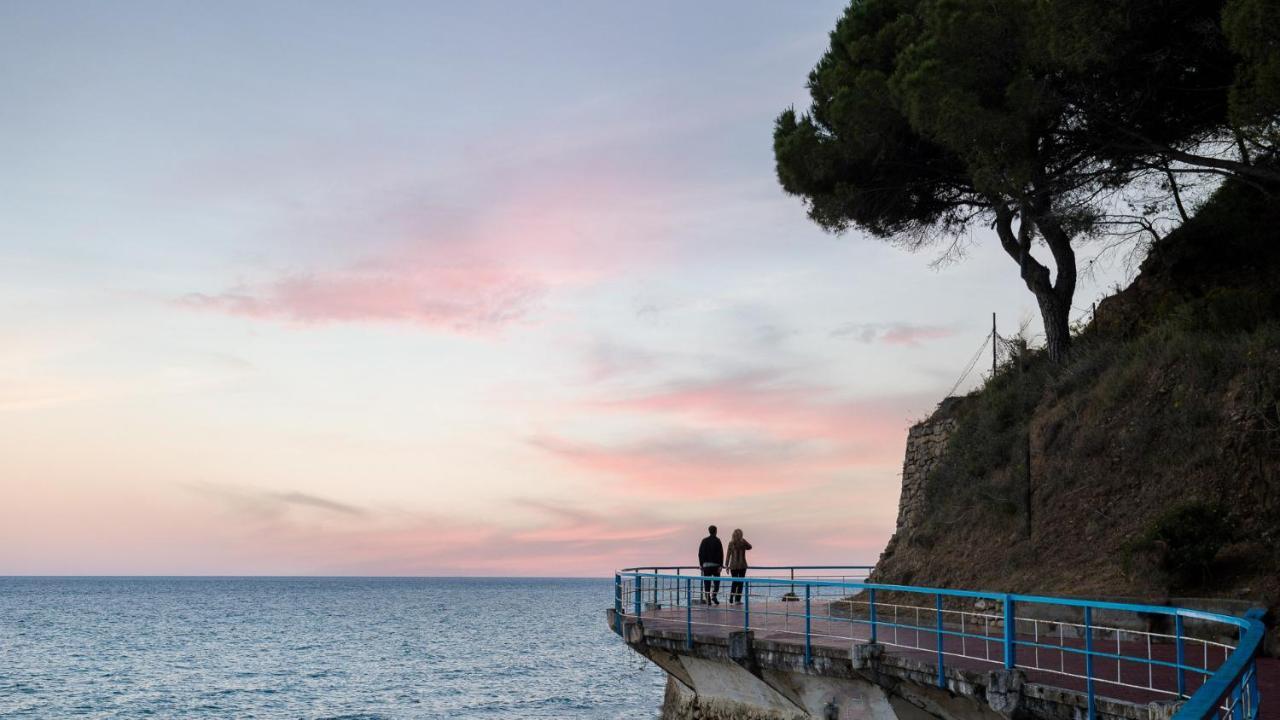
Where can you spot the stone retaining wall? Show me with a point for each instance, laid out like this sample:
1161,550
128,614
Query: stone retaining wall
926,444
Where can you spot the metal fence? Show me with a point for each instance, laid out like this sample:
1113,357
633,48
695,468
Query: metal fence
1101,649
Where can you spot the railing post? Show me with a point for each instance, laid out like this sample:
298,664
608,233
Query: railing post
1088,659
617,602
655,588
1254,694
1010,633
872,592
746,604
638,590
688,613
808,629
942,679
1181,657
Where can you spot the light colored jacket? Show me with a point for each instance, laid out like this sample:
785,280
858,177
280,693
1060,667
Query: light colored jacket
736,556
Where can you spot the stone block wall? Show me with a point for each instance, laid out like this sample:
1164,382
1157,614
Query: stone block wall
926,444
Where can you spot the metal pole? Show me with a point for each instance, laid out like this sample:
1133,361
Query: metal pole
617,603
746,604
688,613
808,630
1254,694
994,337
872,592
1088,659
1027,481
639,589
655,588
1177,641
1010,652
942,679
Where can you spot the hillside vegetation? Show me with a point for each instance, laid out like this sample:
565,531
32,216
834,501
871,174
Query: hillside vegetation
1154,450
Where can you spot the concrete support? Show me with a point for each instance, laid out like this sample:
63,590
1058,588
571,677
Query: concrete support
866,656
1004,691
725,691
1164,710
672,666
742,650
633,632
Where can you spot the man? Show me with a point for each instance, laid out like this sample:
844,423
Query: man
710,559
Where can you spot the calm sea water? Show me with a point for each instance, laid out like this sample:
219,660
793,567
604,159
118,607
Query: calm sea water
316,648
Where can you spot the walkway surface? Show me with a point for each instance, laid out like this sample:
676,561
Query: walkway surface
1119,680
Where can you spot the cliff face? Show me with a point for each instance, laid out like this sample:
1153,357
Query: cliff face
1148,465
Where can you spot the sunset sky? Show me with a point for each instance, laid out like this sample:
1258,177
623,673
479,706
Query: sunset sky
444,288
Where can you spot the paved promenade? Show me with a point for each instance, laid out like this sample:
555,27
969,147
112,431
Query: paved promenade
784,622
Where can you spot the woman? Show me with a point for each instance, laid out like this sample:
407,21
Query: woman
736,559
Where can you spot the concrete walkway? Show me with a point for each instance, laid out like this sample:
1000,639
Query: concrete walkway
1119,680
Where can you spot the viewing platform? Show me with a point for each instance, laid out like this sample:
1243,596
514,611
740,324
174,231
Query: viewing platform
824,642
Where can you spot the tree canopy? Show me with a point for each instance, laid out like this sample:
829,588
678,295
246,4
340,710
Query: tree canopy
1031,116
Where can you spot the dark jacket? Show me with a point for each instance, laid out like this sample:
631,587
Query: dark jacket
711,551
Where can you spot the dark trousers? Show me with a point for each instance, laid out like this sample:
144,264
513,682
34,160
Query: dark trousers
710,588
735,590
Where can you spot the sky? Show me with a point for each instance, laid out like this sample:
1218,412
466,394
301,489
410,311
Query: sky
483,288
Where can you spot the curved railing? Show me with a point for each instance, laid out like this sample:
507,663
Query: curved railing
1119,651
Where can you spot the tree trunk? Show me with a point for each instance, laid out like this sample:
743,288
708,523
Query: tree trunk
1053,296
1057,325
1055,309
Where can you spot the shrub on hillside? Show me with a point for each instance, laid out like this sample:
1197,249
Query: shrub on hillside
1186,540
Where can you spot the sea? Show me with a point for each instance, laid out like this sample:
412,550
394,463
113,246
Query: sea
350,648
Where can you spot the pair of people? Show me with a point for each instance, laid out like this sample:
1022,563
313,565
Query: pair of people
712,557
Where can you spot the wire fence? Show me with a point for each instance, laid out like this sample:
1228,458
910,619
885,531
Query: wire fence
1007,350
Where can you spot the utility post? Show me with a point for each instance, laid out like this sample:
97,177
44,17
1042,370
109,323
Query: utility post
995,338
1026,469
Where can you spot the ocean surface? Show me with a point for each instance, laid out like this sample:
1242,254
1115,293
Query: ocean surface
349,648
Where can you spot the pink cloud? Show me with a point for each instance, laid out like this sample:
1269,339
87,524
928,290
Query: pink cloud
579,527
569,541
741,434
561,540
768,401
606,360
459,299
694,465
271,531
436,258
897,333
202,528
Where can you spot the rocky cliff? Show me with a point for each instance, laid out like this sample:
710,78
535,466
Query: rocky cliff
1148,465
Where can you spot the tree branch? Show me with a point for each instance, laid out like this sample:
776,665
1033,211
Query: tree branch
1177,195
1018,246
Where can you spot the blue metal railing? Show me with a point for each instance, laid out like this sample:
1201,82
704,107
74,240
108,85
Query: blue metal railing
1097,643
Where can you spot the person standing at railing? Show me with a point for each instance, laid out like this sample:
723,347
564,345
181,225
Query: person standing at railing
711,559
736,560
